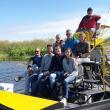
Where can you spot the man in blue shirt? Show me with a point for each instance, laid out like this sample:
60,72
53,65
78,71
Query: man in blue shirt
35,62
70,42
34,65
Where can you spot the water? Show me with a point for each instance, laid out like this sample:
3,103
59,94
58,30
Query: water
9,70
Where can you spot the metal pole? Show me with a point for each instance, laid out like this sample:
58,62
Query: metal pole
103,66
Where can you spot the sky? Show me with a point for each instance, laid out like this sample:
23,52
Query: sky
43,19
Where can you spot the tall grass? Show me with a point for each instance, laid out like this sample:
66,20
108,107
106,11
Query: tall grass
22,49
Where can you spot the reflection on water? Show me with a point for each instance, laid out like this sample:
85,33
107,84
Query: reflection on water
8,71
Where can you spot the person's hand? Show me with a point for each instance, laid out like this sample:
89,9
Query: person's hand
66,74
30,71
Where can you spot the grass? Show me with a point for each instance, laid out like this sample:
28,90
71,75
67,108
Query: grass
3,56
21,50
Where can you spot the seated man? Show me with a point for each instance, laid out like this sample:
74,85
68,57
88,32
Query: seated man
45,64
70,72
82,49
46,61
56,67
70,41
89,23
35,61
33,67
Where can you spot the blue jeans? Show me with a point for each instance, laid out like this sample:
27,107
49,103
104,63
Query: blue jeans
30,82
34,84
28,79
55,76
68,80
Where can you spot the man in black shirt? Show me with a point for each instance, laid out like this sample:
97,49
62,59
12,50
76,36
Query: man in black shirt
82,48
56,67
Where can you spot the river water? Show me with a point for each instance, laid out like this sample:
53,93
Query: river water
10,70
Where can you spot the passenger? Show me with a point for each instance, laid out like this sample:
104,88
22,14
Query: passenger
46,61
44,70
70,72
56,67
82,49
70,41
57,43
89,22
35,61
33,67
62,42
62,45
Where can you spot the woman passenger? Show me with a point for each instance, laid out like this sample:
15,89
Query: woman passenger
70,72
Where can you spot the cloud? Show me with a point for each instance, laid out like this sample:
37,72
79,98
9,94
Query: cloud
48,29
45,29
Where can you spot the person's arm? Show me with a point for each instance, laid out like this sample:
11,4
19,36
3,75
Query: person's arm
64,46
74,73
51,68
75,64
30,62
87,51
65,73
81,23
96,17
64,65
75,68
42,64
76,50
29,67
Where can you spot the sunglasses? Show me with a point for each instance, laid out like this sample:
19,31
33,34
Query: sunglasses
36,51
68,33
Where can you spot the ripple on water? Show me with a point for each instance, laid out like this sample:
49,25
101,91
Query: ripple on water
9,70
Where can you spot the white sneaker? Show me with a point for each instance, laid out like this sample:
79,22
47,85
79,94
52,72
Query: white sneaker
64,101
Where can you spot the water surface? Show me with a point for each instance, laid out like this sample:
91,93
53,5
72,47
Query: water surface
9,70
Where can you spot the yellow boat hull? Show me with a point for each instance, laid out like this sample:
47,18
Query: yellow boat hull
16,101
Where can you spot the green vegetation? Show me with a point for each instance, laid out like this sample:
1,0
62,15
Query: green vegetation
21,50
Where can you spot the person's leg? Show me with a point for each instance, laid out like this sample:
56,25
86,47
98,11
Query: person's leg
52,79
36,84
27,85
39,76
33,83
22,75
65,87
59,76
92,30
